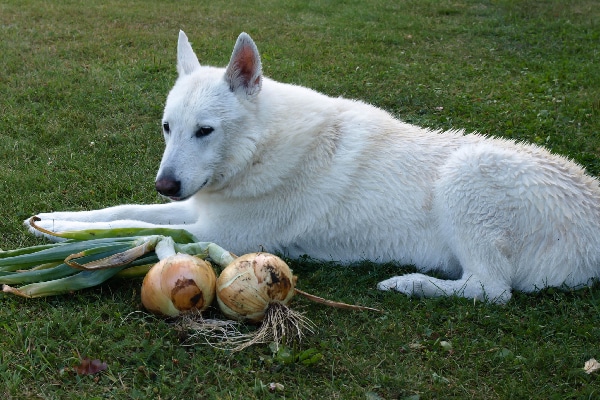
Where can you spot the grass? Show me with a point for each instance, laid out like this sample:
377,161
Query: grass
83,86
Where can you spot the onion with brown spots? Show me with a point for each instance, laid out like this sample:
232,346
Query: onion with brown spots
256,287
177,284
252,282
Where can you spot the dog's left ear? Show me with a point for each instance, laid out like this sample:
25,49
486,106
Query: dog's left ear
244,72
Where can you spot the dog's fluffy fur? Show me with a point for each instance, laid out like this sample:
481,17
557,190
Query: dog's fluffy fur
252,163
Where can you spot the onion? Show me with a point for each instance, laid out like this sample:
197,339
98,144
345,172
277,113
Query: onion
256,287
177,284
252,282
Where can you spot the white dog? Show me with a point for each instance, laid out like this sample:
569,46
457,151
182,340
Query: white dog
251,163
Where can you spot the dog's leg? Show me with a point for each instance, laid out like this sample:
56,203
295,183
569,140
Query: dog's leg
167,213
486,274
484,219
173,215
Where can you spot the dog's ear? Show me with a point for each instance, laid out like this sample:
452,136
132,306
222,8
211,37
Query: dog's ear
244,72
187,62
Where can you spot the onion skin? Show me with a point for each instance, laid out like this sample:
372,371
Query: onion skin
178,284
251,282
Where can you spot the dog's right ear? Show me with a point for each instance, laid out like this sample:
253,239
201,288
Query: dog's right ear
187,62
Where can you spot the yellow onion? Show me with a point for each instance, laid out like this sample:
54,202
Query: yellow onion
177,284
252,282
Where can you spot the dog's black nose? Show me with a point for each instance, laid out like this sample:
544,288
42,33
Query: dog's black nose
168,187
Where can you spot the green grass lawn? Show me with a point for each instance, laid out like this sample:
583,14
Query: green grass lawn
82,85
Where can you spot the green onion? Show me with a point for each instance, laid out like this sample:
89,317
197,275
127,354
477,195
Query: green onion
85,259
58,252
81,280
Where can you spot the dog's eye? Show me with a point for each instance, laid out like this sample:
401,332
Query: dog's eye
204,131
166,127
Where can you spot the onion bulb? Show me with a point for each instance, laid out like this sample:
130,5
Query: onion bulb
252,282
177,284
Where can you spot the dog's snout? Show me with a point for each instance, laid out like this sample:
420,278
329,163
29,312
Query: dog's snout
168,187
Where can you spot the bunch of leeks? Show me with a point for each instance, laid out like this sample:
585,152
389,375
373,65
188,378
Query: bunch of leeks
88,258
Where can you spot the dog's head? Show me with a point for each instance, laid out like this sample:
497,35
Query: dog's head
207,120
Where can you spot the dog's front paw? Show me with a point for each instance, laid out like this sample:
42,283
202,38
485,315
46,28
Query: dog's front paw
47,226
29,224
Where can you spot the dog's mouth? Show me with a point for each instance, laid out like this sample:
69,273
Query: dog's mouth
173,198
182,198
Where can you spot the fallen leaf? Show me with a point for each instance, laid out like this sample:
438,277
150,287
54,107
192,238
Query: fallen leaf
90,367
591,365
